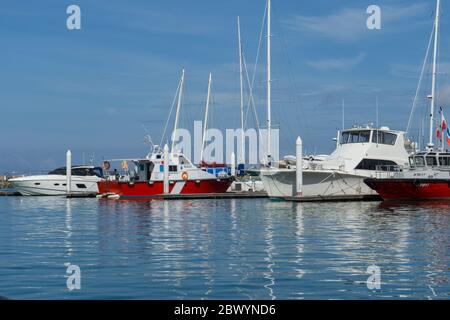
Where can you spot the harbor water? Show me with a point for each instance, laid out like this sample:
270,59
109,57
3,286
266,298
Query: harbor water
222,249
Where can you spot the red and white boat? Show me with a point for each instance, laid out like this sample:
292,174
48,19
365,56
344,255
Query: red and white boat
146,180
428,174
165,173
427,178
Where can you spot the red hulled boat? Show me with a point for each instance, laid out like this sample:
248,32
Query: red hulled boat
147,178
427,178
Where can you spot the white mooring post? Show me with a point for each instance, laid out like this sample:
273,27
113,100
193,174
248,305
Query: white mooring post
68,172
233,164
299,166
166,169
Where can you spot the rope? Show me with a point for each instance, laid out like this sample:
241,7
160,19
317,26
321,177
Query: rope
170,113
420,81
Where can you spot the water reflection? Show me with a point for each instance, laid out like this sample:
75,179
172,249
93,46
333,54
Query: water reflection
223,249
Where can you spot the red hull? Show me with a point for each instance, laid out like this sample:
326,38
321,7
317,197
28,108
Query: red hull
410,189
141,189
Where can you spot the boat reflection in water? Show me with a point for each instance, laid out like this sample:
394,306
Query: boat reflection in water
223,249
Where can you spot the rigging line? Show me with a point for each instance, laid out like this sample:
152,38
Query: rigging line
170,113
252,103
259,46
252,84
292,82
251,97
420,82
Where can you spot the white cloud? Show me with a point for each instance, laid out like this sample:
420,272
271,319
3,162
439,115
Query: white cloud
350,24
342,63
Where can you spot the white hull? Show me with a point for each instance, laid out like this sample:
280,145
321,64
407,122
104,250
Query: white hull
54,185
280,183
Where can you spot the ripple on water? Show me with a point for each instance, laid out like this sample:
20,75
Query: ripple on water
222,249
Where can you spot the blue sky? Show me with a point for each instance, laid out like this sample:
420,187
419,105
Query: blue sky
93,90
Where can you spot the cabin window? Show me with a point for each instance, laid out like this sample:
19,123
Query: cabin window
431,161
419,161
97,171
444,161
384,138
59,171
173,168
355,136
158,156
364,136
344,137
375,164
80,172
81,186
37,183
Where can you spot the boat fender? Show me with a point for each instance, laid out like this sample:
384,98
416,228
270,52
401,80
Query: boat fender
106,165
185,176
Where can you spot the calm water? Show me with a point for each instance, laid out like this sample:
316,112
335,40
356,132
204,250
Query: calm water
222,249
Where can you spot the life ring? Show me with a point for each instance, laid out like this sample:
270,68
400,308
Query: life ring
184,176
124,165
106,165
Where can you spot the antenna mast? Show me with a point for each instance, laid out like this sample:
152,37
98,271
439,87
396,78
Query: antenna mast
205,125
433,81
241,156
269,86
177,116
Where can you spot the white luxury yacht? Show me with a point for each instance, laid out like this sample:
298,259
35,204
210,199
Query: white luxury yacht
83,182
359,152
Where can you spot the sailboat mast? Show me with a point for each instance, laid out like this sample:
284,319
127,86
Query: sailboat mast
269,85
433,81
205,124
241,156
177,116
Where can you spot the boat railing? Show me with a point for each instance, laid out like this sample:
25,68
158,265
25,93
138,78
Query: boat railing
389,171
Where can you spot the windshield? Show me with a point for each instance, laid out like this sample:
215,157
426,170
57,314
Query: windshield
355,136
384,137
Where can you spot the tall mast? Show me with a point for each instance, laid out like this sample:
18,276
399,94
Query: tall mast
269,86
241,156
205,124
177,116
433,81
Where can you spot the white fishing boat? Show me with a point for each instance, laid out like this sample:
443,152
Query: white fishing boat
358,154
83,182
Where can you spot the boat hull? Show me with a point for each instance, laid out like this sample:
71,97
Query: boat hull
144,189
281,184
54,185
411,189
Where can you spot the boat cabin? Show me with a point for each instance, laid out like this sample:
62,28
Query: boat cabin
430,159
368,135
81,171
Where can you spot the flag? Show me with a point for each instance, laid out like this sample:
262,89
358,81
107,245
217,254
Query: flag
438,133
444,123
448,135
